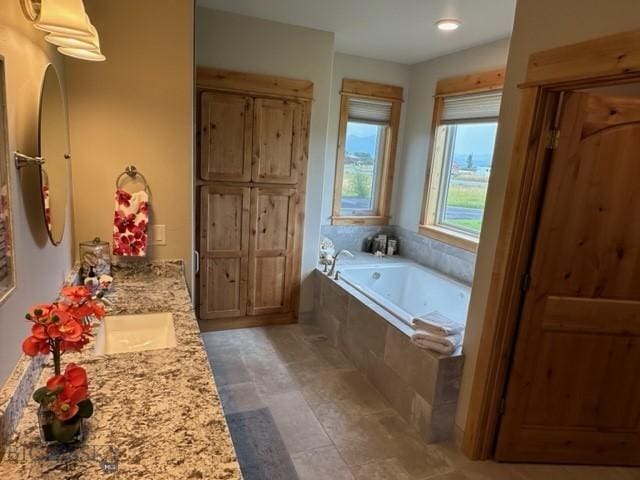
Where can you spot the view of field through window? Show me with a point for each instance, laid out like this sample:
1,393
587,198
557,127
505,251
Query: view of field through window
361,163
469,159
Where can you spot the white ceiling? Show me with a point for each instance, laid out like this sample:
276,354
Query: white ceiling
395,30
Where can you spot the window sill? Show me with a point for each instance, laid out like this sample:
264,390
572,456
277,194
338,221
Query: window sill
360,220
456,239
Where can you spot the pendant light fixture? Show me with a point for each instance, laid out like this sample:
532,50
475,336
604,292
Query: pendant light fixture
83,54
66,17
68,27
91,42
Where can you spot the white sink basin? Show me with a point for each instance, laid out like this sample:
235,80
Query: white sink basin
135,333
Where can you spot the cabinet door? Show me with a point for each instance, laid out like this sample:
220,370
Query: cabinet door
224,247
225,137
277,141
271,249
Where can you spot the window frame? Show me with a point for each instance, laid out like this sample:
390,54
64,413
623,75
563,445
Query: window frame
462,85
382,194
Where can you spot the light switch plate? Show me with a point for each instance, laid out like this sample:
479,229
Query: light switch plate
158,235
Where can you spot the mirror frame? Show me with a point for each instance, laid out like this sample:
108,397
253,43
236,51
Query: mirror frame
4,158
67,155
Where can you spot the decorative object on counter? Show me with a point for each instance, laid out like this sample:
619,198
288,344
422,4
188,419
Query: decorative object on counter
57,328
327,252
95,256
131,217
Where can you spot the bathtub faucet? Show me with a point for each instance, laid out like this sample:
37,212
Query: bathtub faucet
335,261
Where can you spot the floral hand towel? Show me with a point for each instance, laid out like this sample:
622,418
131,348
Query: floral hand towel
130,223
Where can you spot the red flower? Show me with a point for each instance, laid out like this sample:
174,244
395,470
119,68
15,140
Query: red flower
33,346
66,327
76,294
70,389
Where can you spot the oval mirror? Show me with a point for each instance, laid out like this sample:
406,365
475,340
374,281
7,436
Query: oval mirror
54,149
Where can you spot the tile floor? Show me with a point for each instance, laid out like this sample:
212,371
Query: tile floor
333,422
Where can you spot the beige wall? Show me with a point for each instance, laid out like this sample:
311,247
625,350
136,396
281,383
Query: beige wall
412,169
136,108
237,42
40,267
539,25
359,68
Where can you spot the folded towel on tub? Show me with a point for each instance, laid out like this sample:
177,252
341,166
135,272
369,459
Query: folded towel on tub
446,345
437,324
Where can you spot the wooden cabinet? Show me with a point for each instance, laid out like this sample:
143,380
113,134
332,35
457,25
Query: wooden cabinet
277,145
271,248
225,136
224,250
252,162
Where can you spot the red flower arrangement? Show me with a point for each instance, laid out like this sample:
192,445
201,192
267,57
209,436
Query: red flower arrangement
57,328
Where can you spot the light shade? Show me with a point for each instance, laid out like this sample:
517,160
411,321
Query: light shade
71,41
83,54
448,24
66,17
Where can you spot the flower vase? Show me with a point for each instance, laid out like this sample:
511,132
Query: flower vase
54,431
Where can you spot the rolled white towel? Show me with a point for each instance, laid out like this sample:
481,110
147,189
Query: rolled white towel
437,343
437,324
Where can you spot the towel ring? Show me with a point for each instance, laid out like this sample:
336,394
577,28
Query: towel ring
132,172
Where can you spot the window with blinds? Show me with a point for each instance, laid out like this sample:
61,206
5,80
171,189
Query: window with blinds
369,111
464,142
471,108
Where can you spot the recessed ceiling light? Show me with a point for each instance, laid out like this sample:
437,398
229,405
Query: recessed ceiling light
448,24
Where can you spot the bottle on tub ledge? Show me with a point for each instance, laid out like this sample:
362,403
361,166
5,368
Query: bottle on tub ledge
381,245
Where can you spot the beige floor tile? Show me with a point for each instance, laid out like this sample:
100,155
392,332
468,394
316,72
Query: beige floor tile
389,469
455,475
227,364
298,426
321,464
349,387
489,471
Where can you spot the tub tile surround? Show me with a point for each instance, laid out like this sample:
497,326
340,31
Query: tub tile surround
452,261
420,385
156,412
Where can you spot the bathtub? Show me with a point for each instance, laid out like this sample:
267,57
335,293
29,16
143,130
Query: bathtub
408,290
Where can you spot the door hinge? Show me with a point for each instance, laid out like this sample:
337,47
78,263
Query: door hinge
553,138
525,282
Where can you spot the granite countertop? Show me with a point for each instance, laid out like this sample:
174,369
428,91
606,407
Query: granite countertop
157,413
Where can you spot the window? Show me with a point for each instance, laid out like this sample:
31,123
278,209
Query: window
369,117
464,134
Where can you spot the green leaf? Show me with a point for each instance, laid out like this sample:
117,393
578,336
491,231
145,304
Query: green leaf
85,408
65,431
41,395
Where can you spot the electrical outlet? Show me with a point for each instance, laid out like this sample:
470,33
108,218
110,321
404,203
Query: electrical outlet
158,235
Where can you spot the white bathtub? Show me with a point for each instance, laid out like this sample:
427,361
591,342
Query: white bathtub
409,290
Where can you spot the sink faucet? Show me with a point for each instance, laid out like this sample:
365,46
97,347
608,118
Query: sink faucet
335,261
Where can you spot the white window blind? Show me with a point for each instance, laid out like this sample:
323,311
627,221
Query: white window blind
476,106
369,111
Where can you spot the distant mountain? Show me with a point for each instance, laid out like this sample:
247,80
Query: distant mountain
356,144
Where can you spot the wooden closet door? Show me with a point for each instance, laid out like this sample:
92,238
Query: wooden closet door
225,133
277,141
224,247
574,391
271,248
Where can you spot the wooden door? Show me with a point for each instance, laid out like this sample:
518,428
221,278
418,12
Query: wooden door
271,249
224,250
225,136
574,391
277,141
